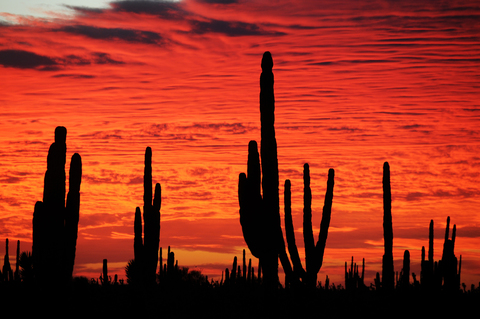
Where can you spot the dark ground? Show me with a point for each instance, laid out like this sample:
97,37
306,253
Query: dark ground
195,301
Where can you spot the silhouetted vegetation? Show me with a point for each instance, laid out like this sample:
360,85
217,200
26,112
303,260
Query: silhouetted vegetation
313,252
146,247
260,216
55,223
243,291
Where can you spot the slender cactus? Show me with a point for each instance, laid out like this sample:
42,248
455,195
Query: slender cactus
388,274
405,273
427,266
105,281
17,263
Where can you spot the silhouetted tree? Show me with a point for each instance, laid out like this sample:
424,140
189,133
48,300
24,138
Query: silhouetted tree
55,225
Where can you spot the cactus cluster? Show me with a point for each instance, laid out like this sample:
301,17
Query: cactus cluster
353,280
260,211
444,274
169,270
55,226
244,274
55,223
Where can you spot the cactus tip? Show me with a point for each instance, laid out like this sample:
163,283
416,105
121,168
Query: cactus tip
252,146
60,134
267,61
331,172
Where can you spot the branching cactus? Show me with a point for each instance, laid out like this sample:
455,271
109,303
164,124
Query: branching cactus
449,262
146,247
313,252
55,225
260,211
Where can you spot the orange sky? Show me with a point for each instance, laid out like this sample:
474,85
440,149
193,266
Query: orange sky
355,85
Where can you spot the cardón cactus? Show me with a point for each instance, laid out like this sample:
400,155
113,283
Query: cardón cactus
313,252
146,247
55,225
260,215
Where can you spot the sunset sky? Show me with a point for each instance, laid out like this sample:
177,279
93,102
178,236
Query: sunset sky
357,83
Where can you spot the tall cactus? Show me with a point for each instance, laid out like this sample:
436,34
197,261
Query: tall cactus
313,252
260,215
146,247
55,225
388,274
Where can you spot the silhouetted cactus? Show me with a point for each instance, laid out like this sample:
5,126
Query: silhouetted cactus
426,273
55,225
17,263
105,279
388,274
146,247
313,252
404,279
449,263
352,278
260,216
7,269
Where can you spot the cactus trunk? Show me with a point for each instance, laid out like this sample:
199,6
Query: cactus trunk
260,216
388,274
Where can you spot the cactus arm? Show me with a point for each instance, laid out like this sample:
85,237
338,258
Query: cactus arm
290,232
325,223
72,213
307,221
252,218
